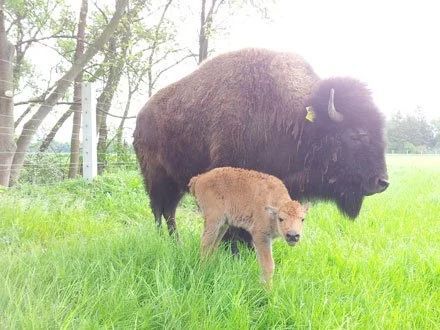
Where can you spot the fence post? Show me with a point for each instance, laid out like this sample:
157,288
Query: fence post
90,160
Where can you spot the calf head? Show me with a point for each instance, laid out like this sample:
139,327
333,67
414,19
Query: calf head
288,218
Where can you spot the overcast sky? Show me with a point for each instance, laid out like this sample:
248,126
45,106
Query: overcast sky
393,46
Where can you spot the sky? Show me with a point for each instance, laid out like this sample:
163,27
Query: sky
393,46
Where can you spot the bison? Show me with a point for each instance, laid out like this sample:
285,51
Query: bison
267,111
256,202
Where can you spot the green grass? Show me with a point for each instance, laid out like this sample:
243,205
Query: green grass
74,255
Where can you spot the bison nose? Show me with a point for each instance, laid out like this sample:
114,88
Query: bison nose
383,183
292,237
376,185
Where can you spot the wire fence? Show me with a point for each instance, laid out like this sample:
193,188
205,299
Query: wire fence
52,167
48,167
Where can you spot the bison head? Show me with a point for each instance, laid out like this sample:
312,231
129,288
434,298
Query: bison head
348,147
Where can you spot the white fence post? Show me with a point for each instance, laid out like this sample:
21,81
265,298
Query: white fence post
90,159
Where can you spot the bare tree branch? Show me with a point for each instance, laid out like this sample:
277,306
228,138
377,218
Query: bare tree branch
34,39
116,116
24,114
171,66
153,47
104,15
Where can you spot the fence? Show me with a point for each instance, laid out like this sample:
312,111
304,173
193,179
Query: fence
90,157
52,166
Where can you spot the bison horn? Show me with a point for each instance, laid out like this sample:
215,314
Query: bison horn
332,113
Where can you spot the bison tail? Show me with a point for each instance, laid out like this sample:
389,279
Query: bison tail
192,185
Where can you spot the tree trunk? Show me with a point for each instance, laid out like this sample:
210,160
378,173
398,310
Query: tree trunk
102,146
203,40
7,143
121,124
49,137
24,114
76,107
104,101
62,85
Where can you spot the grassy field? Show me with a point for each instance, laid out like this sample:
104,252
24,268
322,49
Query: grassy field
74,255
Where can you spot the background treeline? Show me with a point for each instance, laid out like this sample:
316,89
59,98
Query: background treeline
413,133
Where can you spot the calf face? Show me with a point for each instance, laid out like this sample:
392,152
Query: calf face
289,220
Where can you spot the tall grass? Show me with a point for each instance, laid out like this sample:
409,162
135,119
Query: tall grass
74,255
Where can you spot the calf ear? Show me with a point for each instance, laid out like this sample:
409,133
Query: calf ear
272,211
307,206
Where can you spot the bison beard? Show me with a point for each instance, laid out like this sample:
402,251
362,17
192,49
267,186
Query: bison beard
350,204
248,109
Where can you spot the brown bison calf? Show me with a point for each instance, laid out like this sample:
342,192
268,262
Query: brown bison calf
256,202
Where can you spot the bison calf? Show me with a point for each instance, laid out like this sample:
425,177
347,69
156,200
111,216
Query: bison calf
256,202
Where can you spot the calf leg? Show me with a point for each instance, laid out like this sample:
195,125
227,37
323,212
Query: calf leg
263,246
221,233
212,234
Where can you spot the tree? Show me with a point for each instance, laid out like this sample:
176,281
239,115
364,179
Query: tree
150,50
410,133
7,143
76,106
206,20
210,9
58,91
436,129
32,22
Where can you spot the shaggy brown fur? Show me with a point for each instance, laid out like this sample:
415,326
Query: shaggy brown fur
256,202
247,109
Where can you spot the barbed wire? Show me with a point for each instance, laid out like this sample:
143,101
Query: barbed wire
13,63
71,124
19,131
22,134
41,103
68,163
72,111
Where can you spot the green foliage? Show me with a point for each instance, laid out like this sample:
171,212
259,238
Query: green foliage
52,167
45,168
55,146
412,133
78,255
32,20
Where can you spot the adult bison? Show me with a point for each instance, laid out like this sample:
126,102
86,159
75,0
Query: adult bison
267,111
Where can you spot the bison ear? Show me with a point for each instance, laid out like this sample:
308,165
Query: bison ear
272,211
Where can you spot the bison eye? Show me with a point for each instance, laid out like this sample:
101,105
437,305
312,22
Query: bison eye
281,219
355,137
361,135
302,220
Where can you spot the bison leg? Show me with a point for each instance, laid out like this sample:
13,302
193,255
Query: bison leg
164,196
157,212
171,203
235,235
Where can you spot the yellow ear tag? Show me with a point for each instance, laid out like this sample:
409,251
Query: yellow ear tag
310,116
